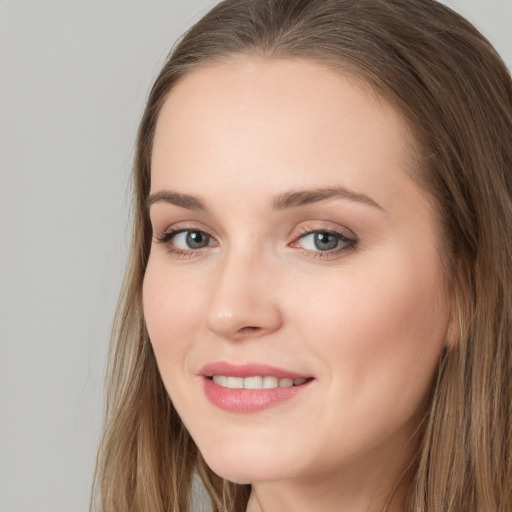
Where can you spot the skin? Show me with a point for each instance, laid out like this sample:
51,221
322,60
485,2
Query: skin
367,320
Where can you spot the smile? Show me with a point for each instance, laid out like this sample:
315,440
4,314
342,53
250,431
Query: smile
249,388
256,382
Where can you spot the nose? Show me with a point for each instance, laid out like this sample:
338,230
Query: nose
243,301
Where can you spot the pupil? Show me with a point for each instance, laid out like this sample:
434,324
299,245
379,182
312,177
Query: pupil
325,241
196,239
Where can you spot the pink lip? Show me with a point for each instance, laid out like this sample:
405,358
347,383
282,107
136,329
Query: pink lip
248,400
248,370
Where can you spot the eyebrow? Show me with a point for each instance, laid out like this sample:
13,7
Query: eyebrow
291,199
294,199
183,200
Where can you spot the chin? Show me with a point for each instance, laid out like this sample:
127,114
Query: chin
248,464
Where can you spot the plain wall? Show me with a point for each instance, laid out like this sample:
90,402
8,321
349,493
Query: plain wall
74,76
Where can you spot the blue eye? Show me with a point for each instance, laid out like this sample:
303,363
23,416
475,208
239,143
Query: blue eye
186,240
324,241
191,240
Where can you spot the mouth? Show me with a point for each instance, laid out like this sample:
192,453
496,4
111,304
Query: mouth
250,387
256,382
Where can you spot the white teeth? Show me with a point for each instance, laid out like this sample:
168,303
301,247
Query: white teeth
235,382
270,382
221,380
285,383
253,383
256,382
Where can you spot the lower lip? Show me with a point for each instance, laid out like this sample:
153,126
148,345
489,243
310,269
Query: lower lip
249,400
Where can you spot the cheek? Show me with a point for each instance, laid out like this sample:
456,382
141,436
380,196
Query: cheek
381,332
170,309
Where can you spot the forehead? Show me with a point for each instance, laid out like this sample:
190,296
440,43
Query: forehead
290,118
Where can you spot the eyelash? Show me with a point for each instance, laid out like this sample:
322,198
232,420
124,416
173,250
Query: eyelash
168,236
349,243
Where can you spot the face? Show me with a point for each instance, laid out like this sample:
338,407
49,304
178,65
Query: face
293,295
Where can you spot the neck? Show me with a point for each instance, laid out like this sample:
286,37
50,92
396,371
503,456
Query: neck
355,490
270,498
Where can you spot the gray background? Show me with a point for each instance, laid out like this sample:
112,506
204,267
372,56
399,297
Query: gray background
74,76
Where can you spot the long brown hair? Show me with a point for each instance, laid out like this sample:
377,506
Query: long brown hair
455,93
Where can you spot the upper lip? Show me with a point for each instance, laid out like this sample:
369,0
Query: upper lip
248,370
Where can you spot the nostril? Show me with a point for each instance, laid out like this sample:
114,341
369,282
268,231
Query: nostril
249,329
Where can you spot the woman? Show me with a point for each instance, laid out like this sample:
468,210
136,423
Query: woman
317,310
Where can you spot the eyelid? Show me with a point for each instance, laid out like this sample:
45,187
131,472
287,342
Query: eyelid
170,232
311,228
168,235
177,227
314,226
